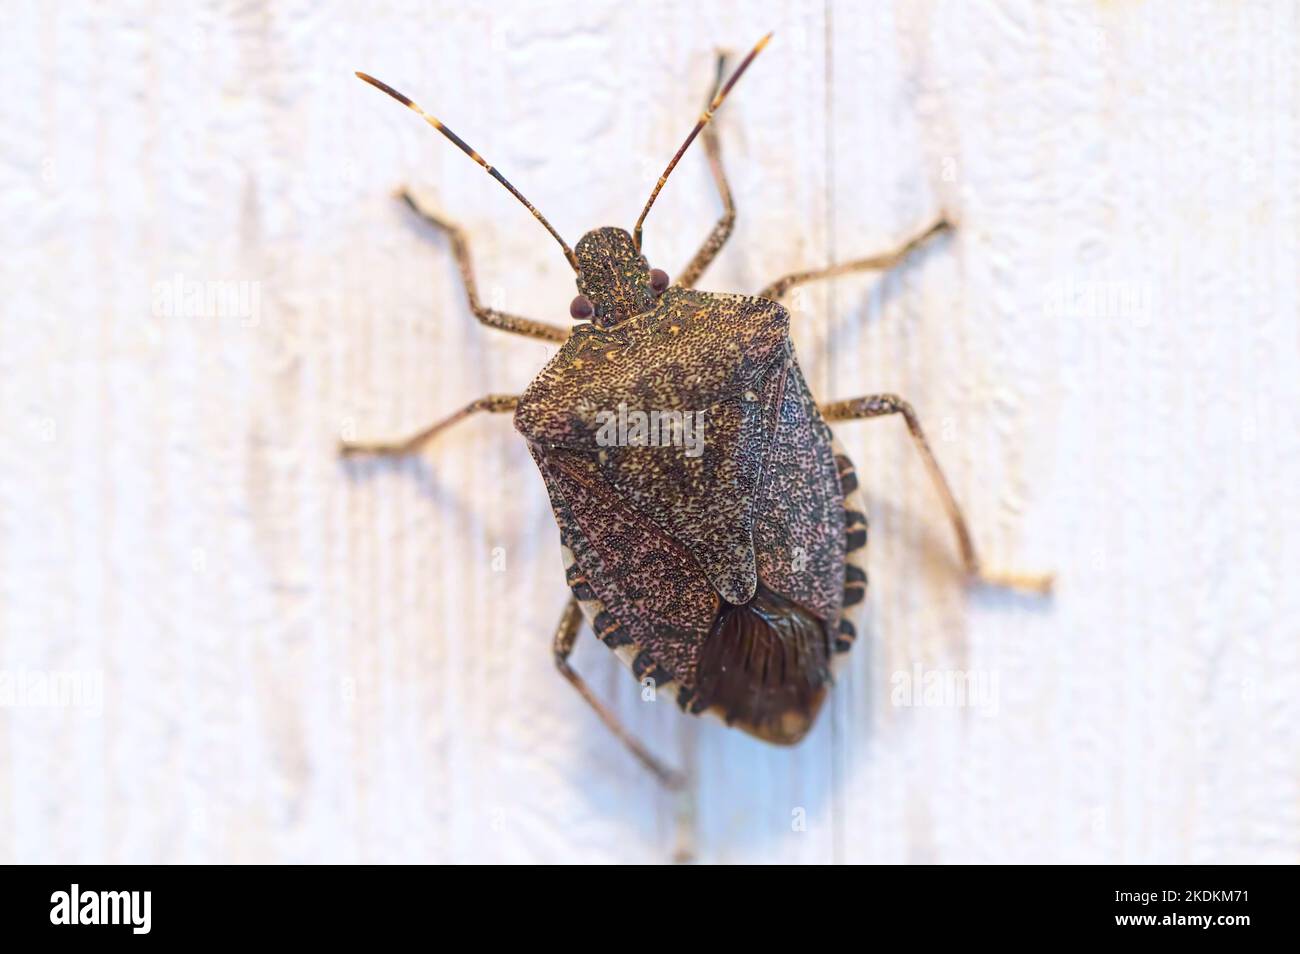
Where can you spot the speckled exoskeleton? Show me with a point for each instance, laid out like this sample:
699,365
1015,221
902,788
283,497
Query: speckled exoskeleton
727,578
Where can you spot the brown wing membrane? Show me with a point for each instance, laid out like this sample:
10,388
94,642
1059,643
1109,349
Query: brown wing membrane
765,668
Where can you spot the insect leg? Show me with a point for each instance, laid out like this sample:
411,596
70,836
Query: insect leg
493,403
722,230
566,634
879,405
778,289
489,316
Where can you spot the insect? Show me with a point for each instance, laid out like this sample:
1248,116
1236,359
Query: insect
727,578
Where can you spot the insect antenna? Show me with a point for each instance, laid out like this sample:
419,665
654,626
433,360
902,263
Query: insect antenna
465,147
703,121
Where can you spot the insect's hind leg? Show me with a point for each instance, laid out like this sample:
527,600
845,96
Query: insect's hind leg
722,230
492,403
566,634
779,288
488,316
879,405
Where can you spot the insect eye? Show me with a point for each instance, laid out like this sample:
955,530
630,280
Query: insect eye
658,280
581,308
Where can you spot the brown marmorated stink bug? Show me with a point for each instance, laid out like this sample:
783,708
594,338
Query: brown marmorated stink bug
724,571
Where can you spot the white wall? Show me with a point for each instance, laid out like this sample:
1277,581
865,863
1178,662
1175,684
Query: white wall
303,661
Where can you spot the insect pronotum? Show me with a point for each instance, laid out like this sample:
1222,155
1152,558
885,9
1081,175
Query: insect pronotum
724,570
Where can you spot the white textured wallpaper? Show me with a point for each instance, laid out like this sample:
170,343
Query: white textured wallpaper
219,642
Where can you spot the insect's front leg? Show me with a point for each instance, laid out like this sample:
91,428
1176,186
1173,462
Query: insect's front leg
779,288
722,230
566,634
489,316
879,405
492,403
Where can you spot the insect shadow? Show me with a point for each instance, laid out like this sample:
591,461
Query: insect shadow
869,307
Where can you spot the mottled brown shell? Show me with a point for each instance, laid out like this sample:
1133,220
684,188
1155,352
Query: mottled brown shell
722,576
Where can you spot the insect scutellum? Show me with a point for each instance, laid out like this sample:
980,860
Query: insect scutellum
614,279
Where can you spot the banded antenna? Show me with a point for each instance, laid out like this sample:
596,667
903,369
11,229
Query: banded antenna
465,147
703,121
